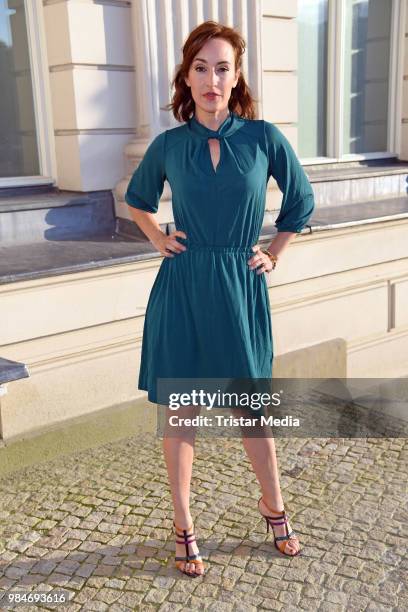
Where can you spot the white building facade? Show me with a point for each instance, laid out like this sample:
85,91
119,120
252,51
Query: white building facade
85,83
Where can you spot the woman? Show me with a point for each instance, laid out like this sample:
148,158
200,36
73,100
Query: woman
208,313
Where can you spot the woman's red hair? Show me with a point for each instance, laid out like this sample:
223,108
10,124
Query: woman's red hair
241,101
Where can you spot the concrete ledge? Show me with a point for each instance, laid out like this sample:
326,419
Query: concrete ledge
81,433
323,360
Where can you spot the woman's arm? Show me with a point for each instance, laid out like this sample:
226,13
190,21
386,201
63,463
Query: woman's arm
298,197
149,226
280,242
143,195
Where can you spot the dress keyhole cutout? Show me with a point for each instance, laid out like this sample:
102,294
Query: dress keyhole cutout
215,152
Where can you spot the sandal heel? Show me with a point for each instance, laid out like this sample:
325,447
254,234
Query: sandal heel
281,519
187,558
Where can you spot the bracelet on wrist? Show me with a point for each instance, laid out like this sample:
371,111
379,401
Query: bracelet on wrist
272,257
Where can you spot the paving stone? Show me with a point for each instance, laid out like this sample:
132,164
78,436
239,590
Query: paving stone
85,594
72,607
68,567
308,603
177,597
76,583
287,597
6,583
112,560
330,607
271,604
107,595
19,545
376,607
163,582
115,584
14,572
85,570
118,607
217,606
110,539
155,595
104,570
206,590
97,581
98,606
336,597
358,603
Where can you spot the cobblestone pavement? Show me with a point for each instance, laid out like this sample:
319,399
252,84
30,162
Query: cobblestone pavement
100,525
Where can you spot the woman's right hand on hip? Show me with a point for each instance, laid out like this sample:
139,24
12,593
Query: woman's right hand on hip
168,245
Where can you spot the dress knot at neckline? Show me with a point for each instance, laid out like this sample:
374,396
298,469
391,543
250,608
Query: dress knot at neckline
230,125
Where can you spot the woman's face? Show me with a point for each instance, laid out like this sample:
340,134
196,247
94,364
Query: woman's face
213,70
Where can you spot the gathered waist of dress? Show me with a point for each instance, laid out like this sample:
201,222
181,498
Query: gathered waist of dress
217,248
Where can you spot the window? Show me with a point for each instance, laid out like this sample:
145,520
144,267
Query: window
346,78
25,116
18,140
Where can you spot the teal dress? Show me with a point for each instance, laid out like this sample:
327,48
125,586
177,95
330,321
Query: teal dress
208,314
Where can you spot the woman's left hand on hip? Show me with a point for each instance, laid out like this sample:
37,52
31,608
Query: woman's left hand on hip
259,261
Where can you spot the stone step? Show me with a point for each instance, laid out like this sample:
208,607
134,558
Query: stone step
55,215
76,242
41,259
357,213
352,182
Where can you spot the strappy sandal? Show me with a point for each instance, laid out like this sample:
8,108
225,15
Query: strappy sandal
281,519
196,559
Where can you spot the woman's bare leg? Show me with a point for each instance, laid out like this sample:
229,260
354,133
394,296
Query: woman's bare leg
178,449
261,452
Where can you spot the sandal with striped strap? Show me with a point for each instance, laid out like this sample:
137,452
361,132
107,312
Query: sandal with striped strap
281,518
181,562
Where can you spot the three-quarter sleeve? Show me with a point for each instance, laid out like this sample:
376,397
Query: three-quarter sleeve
147,182
298,197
